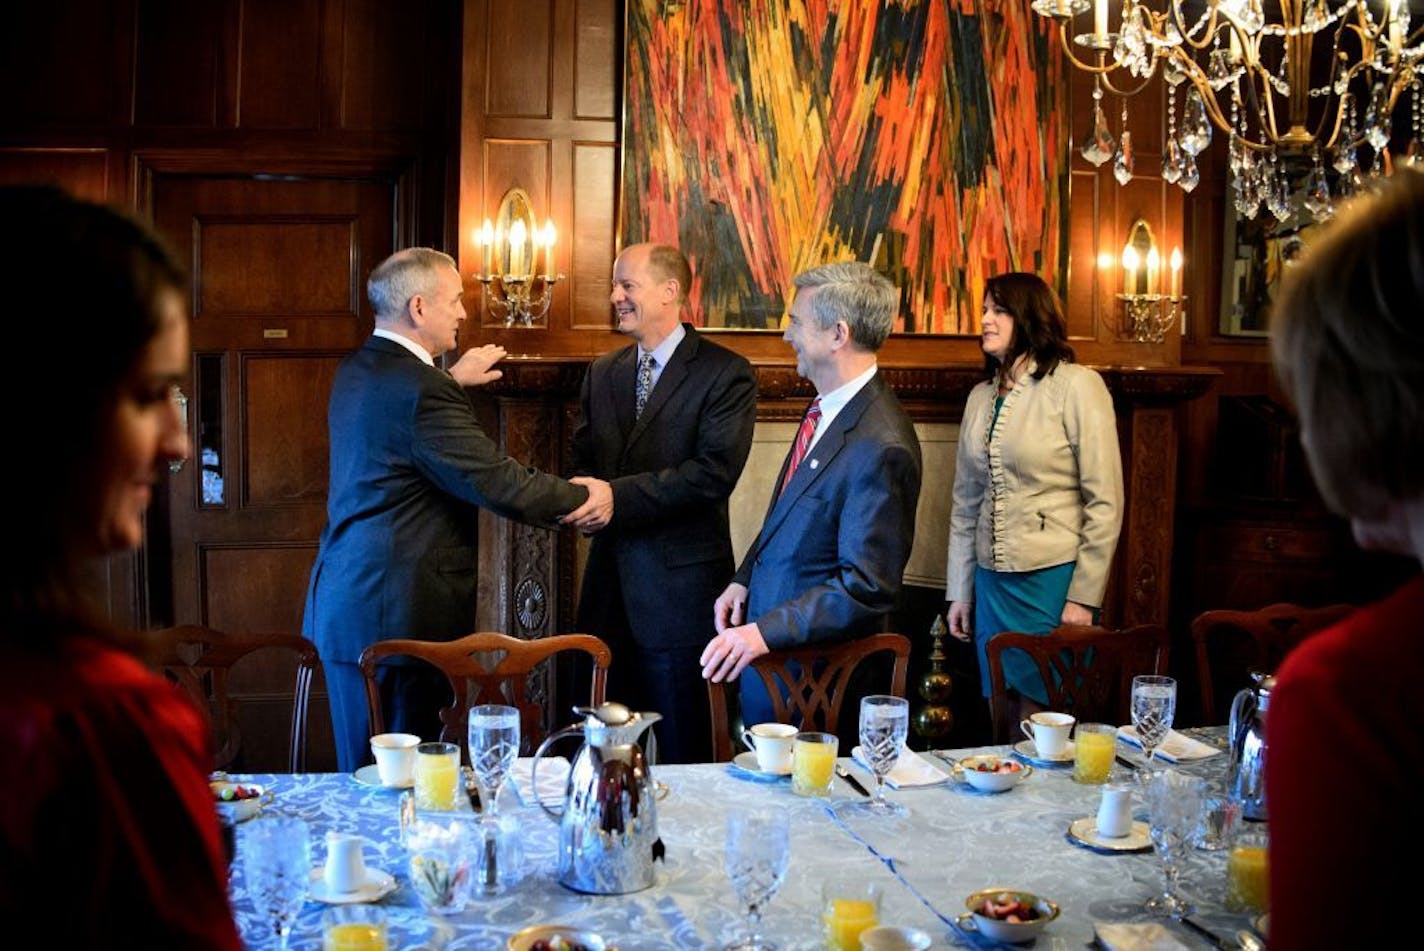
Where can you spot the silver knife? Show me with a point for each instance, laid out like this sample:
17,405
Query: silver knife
850,780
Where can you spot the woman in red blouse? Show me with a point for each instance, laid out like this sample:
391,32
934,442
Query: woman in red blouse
108,834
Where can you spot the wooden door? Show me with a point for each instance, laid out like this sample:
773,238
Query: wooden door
278,270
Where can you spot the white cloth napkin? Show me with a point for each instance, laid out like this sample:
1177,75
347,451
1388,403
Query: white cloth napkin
1174,748
911,769
1144,936
553,778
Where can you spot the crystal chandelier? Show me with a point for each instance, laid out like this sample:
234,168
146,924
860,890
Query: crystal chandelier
1295,85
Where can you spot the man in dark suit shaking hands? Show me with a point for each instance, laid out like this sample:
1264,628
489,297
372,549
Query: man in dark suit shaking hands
668,423
830,558
410,468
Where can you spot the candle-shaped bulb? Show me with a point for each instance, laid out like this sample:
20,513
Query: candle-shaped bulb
550,235
484,240
1100,17
1131,262
1175,263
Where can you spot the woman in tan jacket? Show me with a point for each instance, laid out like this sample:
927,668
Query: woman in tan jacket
1037,484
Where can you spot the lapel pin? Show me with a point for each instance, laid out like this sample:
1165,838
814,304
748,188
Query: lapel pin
815,463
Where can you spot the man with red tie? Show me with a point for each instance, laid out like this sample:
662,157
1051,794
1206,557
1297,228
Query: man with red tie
830,557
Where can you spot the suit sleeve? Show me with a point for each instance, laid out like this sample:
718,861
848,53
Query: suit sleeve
724,439
876,531
1092,431
453,452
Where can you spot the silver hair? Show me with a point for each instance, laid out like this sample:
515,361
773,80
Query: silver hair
402,276
856,293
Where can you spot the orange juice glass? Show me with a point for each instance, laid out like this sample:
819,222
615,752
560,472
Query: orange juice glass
1094,746
1247,871
437,775
353,928
813,760
847,909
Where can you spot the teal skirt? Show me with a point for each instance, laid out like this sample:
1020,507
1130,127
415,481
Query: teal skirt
1029,602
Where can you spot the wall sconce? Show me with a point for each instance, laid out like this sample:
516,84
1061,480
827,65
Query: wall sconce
1147,312
517,262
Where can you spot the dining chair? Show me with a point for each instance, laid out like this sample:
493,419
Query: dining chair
1088,670
204,662
808,684
1231,644
487,667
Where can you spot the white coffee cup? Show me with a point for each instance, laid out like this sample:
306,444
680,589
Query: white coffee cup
345,869
774,743
395,757
1049,731
1115,811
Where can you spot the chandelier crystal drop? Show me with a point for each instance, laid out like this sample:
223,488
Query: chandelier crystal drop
1287,82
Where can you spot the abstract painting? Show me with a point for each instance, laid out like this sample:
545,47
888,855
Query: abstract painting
764,137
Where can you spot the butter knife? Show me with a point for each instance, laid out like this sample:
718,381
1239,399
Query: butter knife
1208,935
850,780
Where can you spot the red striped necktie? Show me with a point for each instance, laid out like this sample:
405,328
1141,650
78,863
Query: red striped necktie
803,440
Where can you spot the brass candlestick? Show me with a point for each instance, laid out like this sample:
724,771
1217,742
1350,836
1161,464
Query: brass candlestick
935,720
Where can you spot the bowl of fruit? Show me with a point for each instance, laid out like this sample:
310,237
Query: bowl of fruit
1007,914
238,801
989,773
556,938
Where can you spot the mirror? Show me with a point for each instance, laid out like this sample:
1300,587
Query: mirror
514,234
1140,260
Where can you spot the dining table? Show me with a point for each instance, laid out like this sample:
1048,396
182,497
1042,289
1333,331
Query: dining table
951,841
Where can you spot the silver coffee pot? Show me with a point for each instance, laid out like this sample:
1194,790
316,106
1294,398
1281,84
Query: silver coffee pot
1246,770
608,823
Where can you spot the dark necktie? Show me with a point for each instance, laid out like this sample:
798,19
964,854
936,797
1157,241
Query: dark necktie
803,440
645,384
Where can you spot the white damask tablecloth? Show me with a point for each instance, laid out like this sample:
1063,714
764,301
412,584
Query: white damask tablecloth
953,841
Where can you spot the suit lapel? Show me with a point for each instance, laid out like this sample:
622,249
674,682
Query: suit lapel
622,381
830,444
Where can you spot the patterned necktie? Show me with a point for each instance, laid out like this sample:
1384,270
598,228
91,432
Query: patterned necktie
803,440
645,384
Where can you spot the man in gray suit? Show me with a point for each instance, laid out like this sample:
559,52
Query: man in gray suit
830,558
672,447
410,469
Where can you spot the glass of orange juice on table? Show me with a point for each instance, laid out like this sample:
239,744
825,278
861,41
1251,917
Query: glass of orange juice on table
437,775
848,907
1247,881
353,928
1094,746
813,760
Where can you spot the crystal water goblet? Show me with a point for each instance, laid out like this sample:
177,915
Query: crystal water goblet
884,724
494,744
277,865
1174,807
1154,704
757,852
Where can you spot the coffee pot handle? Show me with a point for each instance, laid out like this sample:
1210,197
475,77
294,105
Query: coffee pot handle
534,768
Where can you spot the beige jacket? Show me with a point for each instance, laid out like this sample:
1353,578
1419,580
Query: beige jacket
1045,490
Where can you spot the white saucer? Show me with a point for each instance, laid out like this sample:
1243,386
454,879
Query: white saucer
1084,831
378,885
1028,751
747,763
371,776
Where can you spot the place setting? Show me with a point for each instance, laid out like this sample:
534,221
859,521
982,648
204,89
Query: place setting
1047,742
770,752
394,767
